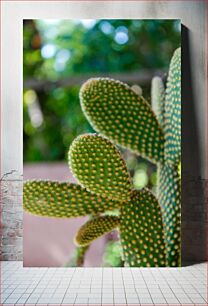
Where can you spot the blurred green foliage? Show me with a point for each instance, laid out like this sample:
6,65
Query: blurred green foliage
112,255
58,49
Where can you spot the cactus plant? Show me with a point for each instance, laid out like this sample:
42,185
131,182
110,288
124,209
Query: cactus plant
98,165
149,226
117,112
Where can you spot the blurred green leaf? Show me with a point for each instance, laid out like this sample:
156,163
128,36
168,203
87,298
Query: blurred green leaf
112,255
57,49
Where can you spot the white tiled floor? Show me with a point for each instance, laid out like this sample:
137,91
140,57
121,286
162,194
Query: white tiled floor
103,286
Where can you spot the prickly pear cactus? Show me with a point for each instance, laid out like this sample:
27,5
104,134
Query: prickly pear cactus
117,112
149,227
109,187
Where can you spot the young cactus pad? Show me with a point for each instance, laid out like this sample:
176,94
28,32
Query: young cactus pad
142,234
116,111
157,98
98,165
95,228
173,111
63,200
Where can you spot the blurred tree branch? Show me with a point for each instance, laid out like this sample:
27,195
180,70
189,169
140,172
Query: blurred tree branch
141,77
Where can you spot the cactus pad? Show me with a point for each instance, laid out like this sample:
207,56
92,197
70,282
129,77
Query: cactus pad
117,112
169,195
95,228
63,200
157,98
99,166
173,111
142,234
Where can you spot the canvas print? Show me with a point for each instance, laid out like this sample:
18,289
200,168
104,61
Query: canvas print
102,143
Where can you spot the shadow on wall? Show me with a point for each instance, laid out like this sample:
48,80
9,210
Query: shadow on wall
194,205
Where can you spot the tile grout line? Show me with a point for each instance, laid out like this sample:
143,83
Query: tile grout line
135,287
147,288
169,287
69,286
181,286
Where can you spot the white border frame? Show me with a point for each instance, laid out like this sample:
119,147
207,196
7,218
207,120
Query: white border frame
193,15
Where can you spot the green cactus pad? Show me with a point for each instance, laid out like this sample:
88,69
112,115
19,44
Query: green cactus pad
63,200
95,228
169,195
173,111
117,112
141,229
158,98
99,166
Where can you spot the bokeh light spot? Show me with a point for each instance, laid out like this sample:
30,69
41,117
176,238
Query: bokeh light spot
48,51
121,36
106,27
